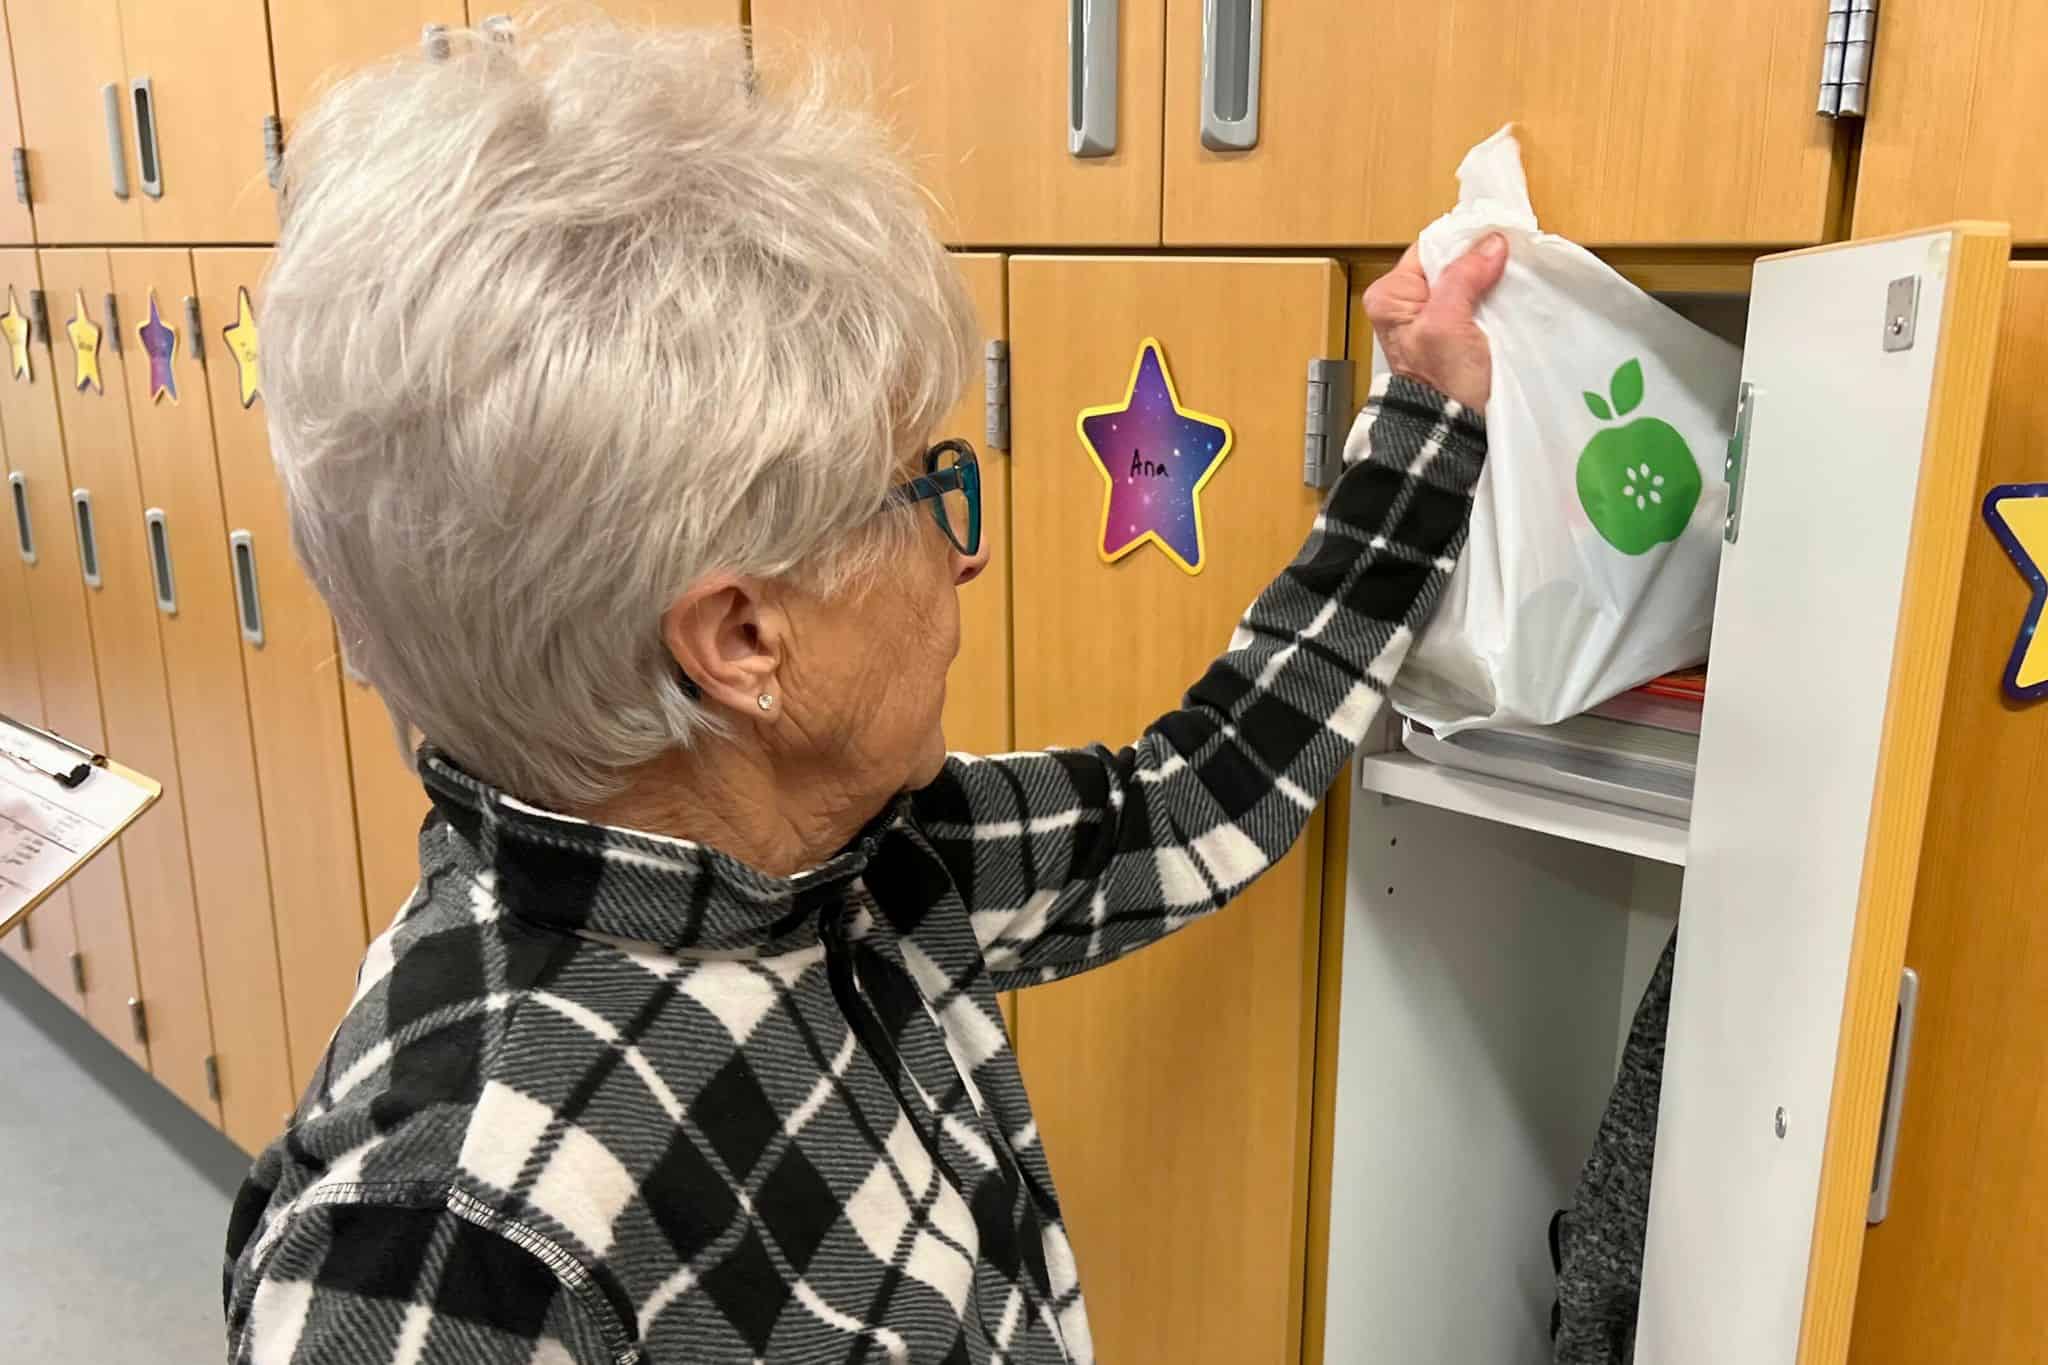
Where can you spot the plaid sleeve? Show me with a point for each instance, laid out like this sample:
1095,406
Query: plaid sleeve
1069,858
372,1284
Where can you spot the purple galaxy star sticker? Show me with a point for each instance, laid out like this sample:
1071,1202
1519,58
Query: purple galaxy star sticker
159,343
1154,456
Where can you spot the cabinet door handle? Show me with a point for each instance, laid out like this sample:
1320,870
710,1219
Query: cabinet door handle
160,561
88,536
17,482
1091,77
117,165
1894,1097
1230,74
248,602
148,163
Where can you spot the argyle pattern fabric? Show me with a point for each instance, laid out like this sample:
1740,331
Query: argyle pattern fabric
606,1097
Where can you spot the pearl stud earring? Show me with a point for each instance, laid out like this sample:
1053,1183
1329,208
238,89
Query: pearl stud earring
765,702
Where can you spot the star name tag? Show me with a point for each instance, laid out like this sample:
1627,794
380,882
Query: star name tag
159,343
1154,456
2018,516
241,339
15,328
85,345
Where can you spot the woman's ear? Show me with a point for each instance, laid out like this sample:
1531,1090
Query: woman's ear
728,639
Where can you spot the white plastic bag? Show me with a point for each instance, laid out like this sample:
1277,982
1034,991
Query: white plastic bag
1596,527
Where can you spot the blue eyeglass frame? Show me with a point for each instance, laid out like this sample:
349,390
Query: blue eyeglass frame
964,476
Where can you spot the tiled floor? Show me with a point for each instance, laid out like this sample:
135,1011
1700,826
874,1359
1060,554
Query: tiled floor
113,1199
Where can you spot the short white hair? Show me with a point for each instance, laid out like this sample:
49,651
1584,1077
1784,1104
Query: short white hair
560,325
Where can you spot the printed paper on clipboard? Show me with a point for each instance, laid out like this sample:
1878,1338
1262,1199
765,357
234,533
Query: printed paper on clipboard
59,805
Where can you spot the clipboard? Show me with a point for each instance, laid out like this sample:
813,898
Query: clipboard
59,805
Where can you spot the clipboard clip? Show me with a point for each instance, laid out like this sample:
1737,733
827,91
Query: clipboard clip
64,774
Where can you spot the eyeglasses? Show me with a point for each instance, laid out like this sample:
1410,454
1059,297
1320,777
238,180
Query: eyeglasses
951,483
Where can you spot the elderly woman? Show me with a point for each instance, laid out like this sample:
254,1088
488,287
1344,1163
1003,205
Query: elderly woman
605,392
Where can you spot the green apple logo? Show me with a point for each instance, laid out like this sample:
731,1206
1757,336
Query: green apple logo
1638,483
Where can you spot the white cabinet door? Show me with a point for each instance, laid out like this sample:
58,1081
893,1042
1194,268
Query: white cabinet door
1836,604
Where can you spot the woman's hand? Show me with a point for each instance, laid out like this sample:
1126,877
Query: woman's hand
1428,334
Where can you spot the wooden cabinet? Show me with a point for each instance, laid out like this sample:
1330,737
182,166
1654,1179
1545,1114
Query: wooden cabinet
72,78
1484,967
313,43
669,13
977,717
104,512
390,805
1170,1089
1955,118
145,122
293,671
185,538
1362,112
16,224
63,642
1955,1270
198,96
984,97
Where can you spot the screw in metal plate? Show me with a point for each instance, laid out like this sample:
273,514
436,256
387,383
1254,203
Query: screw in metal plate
1779,1124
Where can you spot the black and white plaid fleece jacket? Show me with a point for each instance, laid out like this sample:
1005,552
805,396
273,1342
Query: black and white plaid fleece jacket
607,1097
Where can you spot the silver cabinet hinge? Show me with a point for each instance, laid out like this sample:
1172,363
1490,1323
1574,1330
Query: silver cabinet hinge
213,1077
39,316
995,402
138,1019
21,190
1329,410
1736,471
1901,312
78,972
195,334
273,150
1846,58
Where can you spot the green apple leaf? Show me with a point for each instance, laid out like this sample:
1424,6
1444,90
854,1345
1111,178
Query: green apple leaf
1627,387
1599,406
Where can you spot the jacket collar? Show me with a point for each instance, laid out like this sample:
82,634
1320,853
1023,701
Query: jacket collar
622,883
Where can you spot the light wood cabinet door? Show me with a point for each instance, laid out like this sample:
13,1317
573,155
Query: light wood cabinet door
977,716
313,43
231,959
199,77
21,689
16,225
56,598
668,13
294,681
81,152
390,805
1171,1089
980,96
1689,121
1836,608
120,608
1956,119
1955,1270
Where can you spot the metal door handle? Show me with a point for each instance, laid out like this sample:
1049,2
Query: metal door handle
160,561
248,602
148,166
117,165
1091,77
18,482
88,536
1894,1097
1230,74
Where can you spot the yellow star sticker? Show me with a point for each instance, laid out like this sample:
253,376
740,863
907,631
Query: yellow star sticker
241,340
2018,515
14,327
85,344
